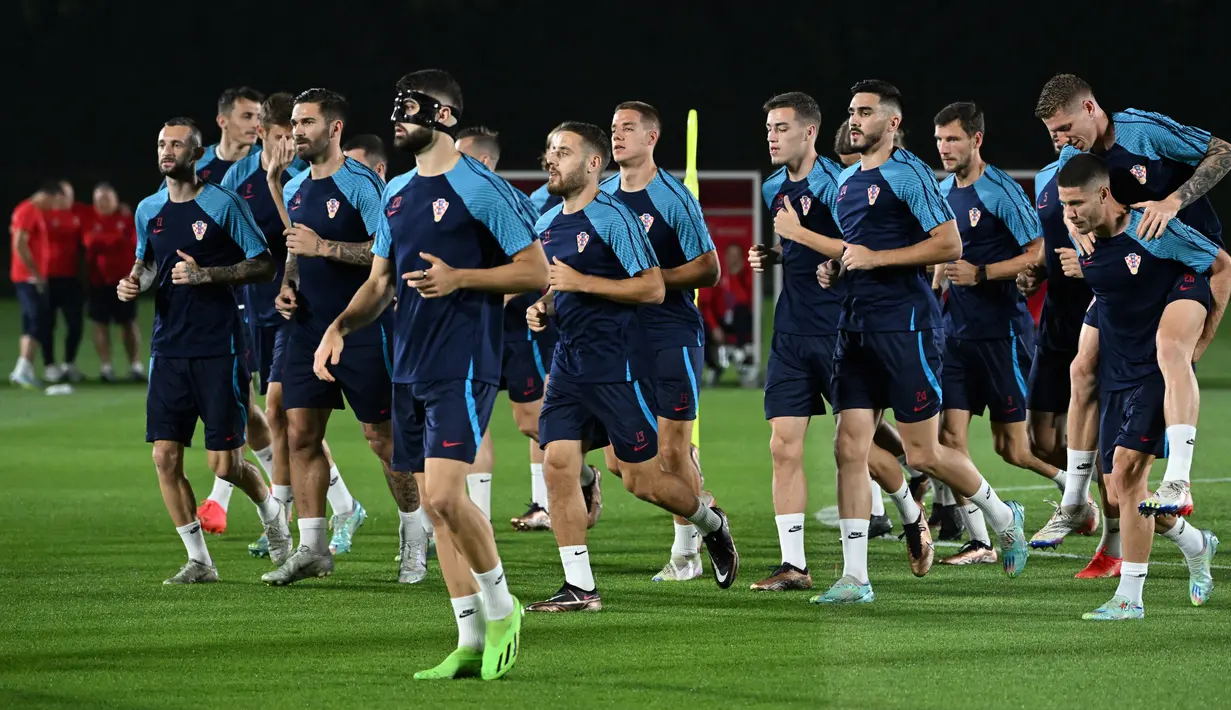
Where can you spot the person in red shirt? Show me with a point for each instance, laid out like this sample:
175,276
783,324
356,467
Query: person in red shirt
110,246
28,232
727,310
64,288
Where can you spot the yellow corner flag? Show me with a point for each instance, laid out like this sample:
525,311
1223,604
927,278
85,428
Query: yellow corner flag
690,181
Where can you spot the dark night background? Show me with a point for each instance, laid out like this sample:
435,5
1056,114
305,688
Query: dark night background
89,82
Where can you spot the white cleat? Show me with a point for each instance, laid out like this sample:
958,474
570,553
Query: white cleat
412,558
194,573
278,535
303,564
680,569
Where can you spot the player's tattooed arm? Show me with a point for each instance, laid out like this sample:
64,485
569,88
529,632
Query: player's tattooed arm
258,269
290,276
144,274
356,253
1212,168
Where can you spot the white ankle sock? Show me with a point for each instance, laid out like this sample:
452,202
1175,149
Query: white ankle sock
338,496
471,622
878,502
1180,440
687,541
312,534
1111,538
1189,539
854,548
791,539
975,524
265,457
577,572
1132,580
538,485
706,520
942,494
428,527
221,494
911,472
269,509
497,601
1077,477
284,495
1061,480
194,542
906,505
997,513
410,526
480,488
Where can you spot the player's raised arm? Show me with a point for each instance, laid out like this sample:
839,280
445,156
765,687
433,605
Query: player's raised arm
145,268
1008,201
915,185
680,208
232,213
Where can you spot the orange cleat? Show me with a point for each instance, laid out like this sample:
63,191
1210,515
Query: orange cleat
213,517
1103,566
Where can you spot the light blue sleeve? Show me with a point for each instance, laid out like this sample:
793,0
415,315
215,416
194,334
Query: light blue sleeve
382,242
147,210
494,202
1043,177
539,197
682,211
610,185
291,187
1007,200
297,166
915,184
237,173
617,225
1066,154
946,186
544,221
771,186
1157,136
231,213
1179,242
823,184
362,188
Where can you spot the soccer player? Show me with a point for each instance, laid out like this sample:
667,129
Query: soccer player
1134,281
989,333
675,330
1164,168
64,292
196,241
334,210
603,272
894,222
370,150
801,197
28,232
110,241
453,237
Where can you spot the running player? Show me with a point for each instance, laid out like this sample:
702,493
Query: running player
110,240
197,241
453,237
676,332
894,222
989,332
603,271
801,197
369,150
334,209
1134,281
1165,168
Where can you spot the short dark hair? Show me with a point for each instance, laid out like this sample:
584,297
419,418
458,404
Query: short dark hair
965,112
649,114
484,137
887,92
592,138
842,140
437,83
104,185
370,144
805,107
226,102
1082,170
333,105
194,134
51,188
276,109
1060,92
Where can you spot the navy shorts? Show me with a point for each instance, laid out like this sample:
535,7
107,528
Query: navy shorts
184,389
522,369
439,420
264,339
675,382
987,374
361,375
1132,419
889,371
799,375
35,309
598,413
1049,384
105,307
277,359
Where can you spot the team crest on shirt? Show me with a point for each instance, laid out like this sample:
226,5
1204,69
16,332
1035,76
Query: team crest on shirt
198,229
295,202
1134,263
1139,172
873,193
647,220
332,206
439,207
1042,200
582,240
842,192
805,203
974,215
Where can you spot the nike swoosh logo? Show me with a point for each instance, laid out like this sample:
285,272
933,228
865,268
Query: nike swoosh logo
921,408
390,213
720,576
795,529
1082,466
1010,411
249,197
158,231
451,444
528,392
466,613
680,409
580,553
1186,288
638,448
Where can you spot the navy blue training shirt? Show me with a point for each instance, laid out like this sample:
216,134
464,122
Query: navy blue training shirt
1067,298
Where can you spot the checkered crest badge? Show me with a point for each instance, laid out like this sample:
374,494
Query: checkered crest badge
974,215
198,229
647,220
582,240
439,207
332,206
873,193
805,203
1134,263
1139,172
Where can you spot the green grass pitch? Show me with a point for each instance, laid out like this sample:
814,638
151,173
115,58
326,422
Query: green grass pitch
85,621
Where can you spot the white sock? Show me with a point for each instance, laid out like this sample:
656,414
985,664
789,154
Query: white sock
687,541
284,496
912,472
1077,477
1132,579
269,509
1188,537
428,527
107,369
24,366
878,503
339,497
943,495
975,525
997,513
471,622
1061,480
1111,538
312,534
411,525
854,548
221,493
907,508
497,601
1180,439
265,457
791,539
480,487
194,542
587,474
137,367
576,561
706,520
538,485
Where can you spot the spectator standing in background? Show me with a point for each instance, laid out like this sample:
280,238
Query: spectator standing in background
727,309
110,243
64,288
28,235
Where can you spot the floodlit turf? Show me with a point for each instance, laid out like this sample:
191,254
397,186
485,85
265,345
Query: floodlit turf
87,623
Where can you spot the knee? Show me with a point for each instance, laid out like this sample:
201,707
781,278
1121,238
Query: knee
1174,354
167,460
276,418
301,438
952,439
529,427
1081,373
1014,453
444,503
226,464
640,485
378,441
922,456
674,458
785,450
